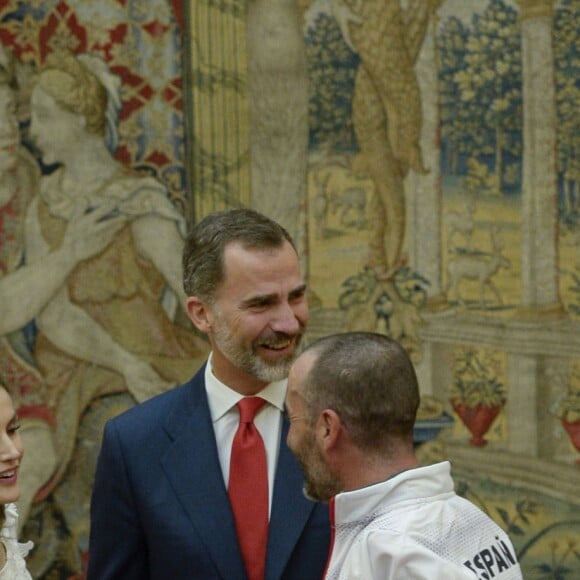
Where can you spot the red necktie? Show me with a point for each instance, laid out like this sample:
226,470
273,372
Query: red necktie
248,489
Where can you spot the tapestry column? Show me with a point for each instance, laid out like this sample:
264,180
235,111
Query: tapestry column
540,296
539,192
424,191
424,208
278,114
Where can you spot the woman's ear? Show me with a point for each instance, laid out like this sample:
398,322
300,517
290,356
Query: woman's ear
199,313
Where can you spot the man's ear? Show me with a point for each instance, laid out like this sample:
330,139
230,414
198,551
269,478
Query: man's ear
199,313
328,428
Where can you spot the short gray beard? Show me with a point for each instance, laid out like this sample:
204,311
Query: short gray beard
247,360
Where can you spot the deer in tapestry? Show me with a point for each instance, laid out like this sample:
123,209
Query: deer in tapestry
477,267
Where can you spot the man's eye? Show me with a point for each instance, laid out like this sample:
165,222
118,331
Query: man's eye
258,305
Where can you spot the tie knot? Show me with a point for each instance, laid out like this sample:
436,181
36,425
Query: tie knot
249,406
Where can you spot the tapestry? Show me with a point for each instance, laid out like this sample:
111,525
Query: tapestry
423,153
442,208
443,189
217,81
93,133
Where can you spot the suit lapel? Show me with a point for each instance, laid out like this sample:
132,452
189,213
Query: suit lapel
192,466
290,510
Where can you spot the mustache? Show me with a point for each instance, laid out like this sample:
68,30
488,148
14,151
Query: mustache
278,338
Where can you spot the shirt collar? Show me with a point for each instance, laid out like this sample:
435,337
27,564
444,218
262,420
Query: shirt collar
222,398
415,485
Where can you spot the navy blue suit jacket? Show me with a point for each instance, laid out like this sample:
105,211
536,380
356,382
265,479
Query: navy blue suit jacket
160,508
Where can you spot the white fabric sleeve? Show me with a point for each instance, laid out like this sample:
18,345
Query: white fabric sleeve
378,555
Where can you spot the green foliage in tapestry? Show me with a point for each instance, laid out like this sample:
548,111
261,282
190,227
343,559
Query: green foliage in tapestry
480,82
357,289
477,378
575,289
455,121
332,69
235,7
568,405
567,59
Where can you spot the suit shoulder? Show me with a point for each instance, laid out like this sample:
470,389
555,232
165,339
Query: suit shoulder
159,408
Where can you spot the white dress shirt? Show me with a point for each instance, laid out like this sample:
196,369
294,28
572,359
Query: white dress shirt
225,417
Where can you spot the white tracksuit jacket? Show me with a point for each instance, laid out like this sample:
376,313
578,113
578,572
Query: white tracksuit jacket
414,527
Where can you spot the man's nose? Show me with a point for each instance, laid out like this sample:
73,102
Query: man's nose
286,320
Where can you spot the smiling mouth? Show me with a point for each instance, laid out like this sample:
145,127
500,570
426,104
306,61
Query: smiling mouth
278,345
8,474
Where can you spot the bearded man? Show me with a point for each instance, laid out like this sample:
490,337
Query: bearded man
352,402
197,482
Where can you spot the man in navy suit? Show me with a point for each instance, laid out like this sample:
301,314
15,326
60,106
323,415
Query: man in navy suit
160,506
